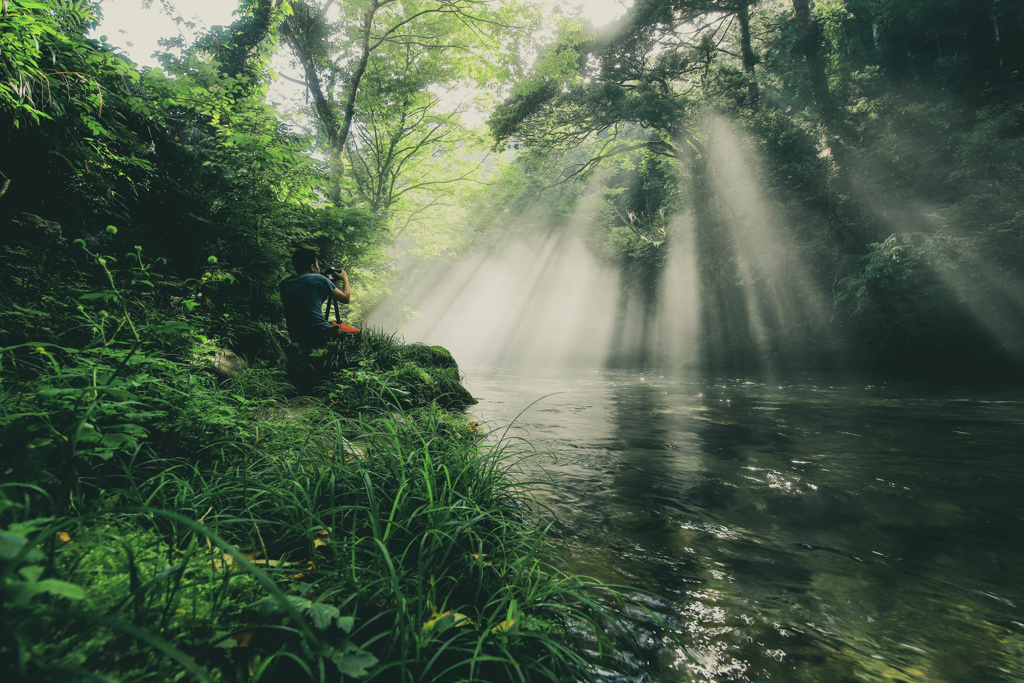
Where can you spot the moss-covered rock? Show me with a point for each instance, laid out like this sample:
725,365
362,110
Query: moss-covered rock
429,356
34,231
375,371
423,386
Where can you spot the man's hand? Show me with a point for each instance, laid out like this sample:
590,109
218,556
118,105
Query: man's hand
342,295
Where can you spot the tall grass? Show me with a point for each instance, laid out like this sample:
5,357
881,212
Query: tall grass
158,523
412,557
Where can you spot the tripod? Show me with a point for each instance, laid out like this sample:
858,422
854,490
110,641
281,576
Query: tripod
332,275
337,311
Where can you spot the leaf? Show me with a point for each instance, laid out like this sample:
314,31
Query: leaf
244,639
323,614
118,441
23,592
351,661
62,589
31,573
11,545
227,643
506,625
446,620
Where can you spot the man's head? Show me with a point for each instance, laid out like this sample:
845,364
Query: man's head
304,260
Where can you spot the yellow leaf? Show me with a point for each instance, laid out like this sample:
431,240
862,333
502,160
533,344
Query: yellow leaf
504,626
457,619
437,617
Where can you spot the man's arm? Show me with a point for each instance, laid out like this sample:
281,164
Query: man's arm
342,295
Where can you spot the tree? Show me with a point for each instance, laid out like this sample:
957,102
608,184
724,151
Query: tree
648,74
419,45
406,143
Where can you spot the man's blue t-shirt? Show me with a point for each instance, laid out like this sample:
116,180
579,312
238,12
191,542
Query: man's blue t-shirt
302,295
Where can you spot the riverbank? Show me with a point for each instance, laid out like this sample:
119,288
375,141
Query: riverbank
160,520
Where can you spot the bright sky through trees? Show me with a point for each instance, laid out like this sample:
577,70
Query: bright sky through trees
137,29
129,24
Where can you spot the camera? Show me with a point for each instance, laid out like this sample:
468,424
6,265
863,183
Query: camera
333,274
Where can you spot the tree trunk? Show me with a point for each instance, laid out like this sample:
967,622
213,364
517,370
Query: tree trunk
980,30
746,51
336,129
1009,18
810,48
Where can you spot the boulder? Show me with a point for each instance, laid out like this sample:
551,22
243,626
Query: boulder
32,231
226,364
429,356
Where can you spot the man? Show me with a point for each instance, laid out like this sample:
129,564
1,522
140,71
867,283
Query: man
303,294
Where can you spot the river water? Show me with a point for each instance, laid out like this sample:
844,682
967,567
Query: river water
806,529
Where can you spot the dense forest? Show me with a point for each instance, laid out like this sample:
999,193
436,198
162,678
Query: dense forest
181,487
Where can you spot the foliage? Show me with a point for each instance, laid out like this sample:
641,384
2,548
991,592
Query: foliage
155,517
845,152
73,98
912,304
188,162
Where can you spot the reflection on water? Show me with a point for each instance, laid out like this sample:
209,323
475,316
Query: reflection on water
811,530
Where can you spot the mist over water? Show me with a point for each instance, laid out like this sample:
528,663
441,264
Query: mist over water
778,291
672,339
543,299
548,302
734,286
537,301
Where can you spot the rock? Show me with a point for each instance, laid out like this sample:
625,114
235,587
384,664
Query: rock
33,231
227,365
429,356
456,397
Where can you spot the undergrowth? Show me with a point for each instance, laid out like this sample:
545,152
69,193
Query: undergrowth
160,522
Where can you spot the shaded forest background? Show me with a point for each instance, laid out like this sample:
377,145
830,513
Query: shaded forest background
886,136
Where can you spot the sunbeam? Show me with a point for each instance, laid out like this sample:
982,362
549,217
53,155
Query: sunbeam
540,300
782,301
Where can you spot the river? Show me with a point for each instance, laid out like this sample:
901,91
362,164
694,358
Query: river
801,529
